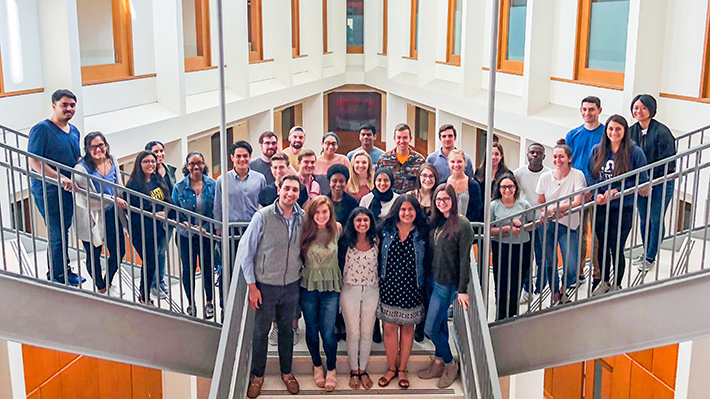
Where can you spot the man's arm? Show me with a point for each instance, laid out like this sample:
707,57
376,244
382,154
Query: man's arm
247,247
217,207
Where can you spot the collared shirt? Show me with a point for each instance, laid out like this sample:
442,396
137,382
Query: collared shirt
243,196
249,242
405,175
441,163
312,186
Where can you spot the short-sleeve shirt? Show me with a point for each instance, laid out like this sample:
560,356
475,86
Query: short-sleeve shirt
500,211
374,154
49,141
581,141
553,189
262,167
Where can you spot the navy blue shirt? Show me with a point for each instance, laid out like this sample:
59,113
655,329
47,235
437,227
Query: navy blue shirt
49,141
581,141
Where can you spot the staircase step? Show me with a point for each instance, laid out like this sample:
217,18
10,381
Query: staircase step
377,365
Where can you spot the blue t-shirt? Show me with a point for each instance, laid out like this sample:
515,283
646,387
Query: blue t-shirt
581,141
110,177
374,154
49,141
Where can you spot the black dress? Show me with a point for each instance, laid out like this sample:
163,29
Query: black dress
401,300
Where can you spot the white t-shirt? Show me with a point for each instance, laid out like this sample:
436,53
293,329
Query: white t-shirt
527,181
553,189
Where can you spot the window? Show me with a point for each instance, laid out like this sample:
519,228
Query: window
384,27
295,29
355,26
196,34
453,36
601,42
347,111
705,84
256,51
2,88
413,31
512,38
325,26
105,40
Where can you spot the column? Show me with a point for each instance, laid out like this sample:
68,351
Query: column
169,55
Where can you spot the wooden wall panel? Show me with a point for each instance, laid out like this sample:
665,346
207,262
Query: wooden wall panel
567,381
621,377
665,361
80,379
643,358
114,379
40,364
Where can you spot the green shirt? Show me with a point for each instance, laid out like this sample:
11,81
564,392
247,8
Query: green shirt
451,263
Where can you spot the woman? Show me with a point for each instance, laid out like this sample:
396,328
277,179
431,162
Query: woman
91,226
196,194
657,143
343,202
510,243
381,198
358,258
499,169
614,156
563,230
468,192
146,230
450,240
320,286
404,248
361,179
427,179
330,143
167,172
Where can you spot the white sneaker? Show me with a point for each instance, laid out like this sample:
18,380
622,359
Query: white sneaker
274,336
114,291
158,293
602,288
296,335
524,297
645,265
638,260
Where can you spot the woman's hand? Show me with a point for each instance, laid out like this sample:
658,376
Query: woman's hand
463,301
601,199
121,203
160,214
517,225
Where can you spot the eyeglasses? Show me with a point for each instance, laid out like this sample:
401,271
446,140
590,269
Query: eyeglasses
97,147
270,143
442,200
330,144
426,177
509,187
192,165
148,162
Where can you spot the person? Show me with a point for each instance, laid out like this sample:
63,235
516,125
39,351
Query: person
564,180
367,140
468,192
358,251
440,157
343,203
280,167
296,138
306,167
402,161
614,156
427,180
196,193
330,143
499,169
510,243
450,240
581,140
272,271
57,140
361,179
92,227
269,145
657,143
403,235
382,197
146,231
167,172
528,176
320,287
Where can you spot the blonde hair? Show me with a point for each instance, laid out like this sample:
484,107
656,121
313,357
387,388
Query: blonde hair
354,182
456,151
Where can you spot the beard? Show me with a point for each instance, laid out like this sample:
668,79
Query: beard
297,145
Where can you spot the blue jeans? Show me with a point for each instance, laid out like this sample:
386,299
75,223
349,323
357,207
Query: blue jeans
162,256
58,254
319,311
660,198
436,326
537,247
570,256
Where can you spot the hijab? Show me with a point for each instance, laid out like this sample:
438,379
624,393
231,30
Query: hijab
379,198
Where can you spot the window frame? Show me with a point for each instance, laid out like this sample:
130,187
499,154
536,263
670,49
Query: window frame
705,77
2,86
385,18
452,58
202,21
295,28
413,30
505,65
122,45
583,74
254,19
325,27
357,49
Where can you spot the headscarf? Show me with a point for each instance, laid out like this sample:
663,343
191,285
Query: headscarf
379,198
648,101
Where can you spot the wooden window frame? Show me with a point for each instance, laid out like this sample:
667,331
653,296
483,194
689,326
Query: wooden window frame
504,64
358,49
384,27
2,87
607,79
452,58
256,54
705,77
413,51
295,29
325,27
202,21
123,48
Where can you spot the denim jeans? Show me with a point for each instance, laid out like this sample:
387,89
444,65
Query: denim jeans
58,254
570,256
162,256
147,254
659,198
436,327
319,311
116,252
537,247
190,251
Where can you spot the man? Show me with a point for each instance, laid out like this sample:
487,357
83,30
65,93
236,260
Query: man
367,141
528,177
440,158
271,263
402,160
296,138
57,140
269,144
306,166
280,167
581,140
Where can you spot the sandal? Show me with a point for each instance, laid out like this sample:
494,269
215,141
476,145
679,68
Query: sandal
354,379
384,381
330,380
365,380
403,382
319,377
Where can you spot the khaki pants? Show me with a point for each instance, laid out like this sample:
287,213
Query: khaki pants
587,234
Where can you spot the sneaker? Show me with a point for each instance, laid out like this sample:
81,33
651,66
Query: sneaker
191,311
434,370
451,371
581,279
524,297
563,298
164,288
274,336
159,293
646,265
296,336
114,291
450,312
74,279
602,288
638,260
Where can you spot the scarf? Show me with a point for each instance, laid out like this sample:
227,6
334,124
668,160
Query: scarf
379,198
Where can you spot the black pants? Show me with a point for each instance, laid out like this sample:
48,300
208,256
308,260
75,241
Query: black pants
228,261
608,250
280,303
116,246
190,251
507,271
147,253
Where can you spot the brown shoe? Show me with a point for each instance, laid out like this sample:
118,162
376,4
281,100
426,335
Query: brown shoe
451,371
291,384
435,370
255,387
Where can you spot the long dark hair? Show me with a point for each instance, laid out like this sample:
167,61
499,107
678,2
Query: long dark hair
450,224
310,228
87,159
481,171
186,171
139,177
349,237
420,222
496,188
622,158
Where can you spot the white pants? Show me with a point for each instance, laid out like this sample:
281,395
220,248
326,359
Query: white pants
358,304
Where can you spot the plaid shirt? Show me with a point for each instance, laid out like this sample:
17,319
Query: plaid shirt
405,175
